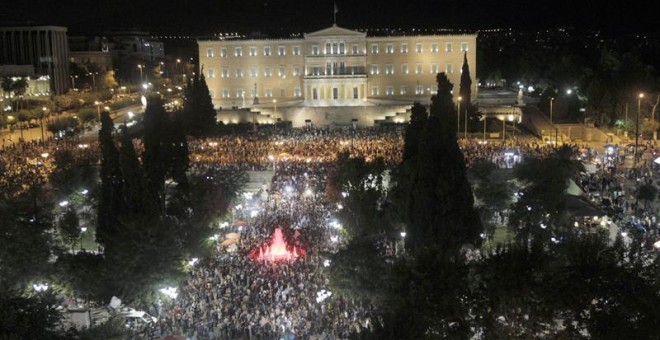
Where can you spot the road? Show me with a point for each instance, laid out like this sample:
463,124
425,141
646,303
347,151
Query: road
34,134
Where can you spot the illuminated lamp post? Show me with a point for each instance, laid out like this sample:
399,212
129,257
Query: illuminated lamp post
458,116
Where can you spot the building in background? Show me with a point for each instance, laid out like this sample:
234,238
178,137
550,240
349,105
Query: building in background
333,67
45,48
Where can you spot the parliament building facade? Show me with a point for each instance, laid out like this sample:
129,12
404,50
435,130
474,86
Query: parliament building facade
333,67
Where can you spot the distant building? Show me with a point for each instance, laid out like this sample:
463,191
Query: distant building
45,48
333,67
85,51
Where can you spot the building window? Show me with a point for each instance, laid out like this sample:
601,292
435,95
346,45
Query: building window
296,71
225,93
404,69
223,52
316,70
268,93
464,47
434,48
374,90
239,73
282,93
296,50
419,89
404,47
240,93
210,73
448,47
281,50
209,53
267,51
389,91
434,68
356,92
419,48
354,49
342,50
404,90
450,69
389,69
253,51
281,72
418,69
253,72
315,93
389,48
335,93
315,49
225,72
267,72
238,52
374,48
374,69
328,48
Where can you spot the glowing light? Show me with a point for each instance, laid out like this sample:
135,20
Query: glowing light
193,261
64,204
277,249
170,292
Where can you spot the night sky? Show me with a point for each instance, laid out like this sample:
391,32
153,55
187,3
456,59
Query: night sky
289,16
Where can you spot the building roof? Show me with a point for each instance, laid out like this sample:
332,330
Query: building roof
335,30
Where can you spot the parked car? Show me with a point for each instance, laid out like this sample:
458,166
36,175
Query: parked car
139,322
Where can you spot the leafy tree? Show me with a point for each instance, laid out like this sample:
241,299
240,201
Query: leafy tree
25,245
362,185
154,160
69,225
28,317
543,197
647,193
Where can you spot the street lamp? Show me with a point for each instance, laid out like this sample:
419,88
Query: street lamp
93,74
275,108
458,116
465,135
82,232
639,110
551,100
98,109
140,67
73,82
43,114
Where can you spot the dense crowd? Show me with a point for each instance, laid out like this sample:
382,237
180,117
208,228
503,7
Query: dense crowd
236,295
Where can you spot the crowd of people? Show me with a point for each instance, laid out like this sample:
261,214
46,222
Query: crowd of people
238,295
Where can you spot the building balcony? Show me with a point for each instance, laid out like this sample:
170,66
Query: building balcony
336,76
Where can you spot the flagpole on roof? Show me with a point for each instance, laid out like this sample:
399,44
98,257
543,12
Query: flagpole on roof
335,14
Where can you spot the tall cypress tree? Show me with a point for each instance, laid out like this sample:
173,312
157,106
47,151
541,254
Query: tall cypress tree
418,118
199,114
436,197
153,158
110,203
465,89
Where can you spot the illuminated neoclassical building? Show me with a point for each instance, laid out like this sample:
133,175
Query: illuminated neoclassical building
333,67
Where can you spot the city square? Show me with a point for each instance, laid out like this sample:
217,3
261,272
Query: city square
338,183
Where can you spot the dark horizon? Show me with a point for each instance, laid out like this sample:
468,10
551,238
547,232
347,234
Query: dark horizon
289,16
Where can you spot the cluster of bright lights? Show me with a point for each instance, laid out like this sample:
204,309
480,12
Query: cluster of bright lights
322,295
170,292
193,261
40,287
